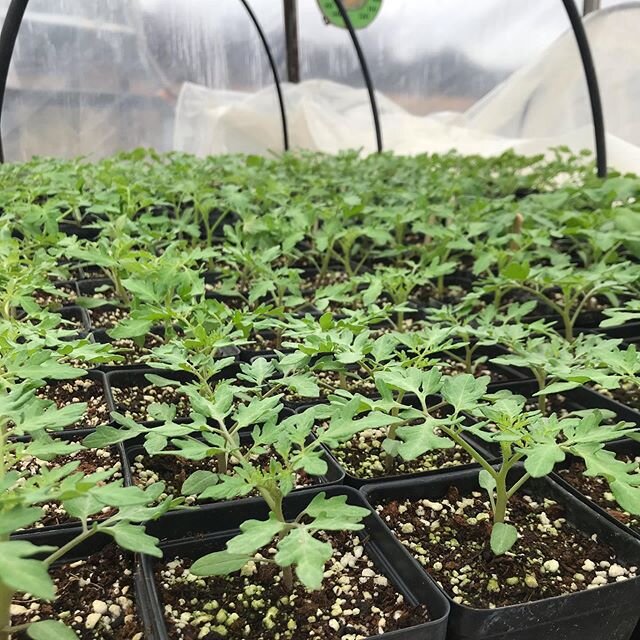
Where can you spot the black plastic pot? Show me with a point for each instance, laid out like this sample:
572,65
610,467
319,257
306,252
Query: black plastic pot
82,551
357,482
510,374
99,377
629,332
623,446
77,314
81,231
201,531
592,398
610,612
101,336
72,436
126,378
334,475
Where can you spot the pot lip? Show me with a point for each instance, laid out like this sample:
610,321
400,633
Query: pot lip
477,611
150,590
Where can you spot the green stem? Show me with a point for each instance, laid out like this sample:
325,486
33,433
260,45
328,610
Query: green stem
541,380
469,449
6,596
56,555
517,486
392,434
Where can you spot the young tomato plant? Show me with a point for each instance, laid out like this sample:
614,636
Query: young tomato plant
567,290
526,437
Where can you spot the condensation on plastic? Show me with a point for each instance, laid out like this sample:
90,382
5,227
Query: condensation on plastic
542,105
95,76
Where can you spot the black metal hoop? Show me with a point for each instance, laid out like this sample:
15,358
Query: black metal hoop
365,72
274,71
9,35
592,85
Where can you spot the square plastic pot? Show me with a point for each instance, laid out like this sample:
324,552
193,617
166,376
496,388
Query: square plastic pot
623,446
610,612
94,544
201,531
334,474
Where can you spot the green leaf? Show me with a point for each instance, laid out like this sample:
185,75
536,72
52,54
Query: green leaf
557,387
487,481
418,439
254,535
627,496
220,563
516,271
228,487
17,518
463,391
198,481
542,458
50,630
326,321
334,514
308,555
503,537
133,538
22,574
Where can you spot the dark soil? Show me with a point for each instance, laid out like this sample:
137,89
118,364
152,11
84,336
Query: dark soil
134,401
627,394
449,537
65,392
133,353
355,601
91,461
363,457
104,579
66,296
597,490
107,317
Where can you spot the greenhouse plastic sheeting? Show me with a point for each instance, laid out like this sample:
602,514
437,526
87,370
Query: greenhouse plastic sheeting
542,105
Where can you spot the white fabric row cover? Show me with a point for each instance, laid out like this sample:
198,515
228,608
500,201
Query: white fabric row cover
543,105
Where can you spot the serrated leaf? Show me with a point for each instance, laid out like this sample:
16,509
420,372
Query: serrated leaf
542,458
198,481
418,439
134,538
254,535
306,554
464,390
20,573
18,518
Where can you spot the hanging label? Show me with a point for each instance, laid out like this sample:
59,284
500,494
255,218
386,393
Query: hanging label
361,12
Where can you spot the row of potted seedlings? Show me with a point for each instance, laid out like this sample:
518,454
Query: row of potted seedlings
204,437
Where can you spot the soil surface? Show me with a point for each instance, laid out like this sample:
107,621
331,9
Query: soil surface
91,461
627,394
133,353
363,457
356,601
597,490
107,317
65,392
449,537
66,296
95,597
134,401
